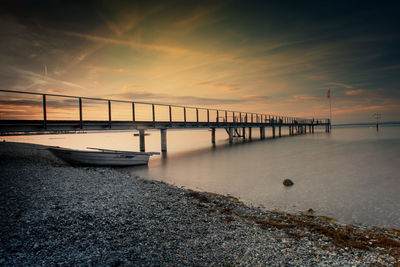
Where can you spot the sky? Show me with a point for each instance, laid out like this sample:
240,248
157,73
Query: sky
271,57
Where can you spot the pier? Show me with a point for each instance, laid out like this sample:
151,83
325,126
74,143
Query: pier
37,113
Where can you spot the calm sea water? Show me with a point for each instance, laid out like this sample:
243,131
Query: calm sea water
351,174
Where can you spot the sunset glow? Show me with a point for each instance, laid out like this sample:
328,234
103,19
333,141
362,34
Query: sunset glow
249,56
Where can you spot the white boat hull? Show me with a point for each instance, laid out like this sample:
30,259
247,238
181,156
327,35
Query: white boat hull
101,158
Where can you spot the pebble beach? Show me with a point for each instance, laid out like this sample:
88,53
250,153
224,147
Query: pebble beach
53,213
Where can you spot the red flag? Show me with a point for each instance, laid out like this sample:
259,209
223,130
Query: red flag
329,94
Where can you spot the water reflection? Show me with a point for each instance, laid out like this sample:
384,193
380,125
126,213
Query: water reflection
350,174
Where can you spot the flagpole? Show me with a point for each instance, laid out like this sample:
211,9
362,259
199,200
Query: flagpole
330,109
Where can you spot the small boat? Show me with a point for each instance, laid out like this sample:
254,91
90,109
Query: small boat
102,157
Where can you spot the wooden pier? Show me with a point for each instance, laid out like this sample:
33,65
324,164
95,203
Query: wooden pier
46,117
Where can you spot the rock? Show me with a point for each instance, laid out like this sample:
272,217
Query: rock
288,182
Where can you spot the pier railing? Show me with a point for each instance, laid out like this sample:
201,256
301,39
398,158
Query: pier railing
31,111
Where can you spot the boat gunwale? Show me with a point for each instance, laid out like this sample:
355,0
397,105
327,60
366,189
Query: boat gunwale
103,151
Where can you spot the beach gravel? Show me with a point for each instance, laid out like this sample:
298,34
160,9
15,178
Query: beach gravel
56,214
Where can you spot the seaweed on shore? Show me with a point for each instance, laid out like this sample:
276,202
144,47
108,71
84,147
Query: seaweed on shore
198,196
342,236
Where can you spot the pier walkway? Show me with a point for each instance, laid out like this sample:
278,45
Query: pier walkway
37,113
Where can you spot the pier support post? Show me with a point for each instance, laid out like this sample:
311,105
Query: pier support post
249,133
213,136
141,140
327,128
230,133
262,133
280,131
273,130
312,128
163,133
244,133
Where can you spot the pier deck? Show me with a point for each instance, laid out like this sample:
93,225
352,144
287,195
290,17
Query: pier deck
37,113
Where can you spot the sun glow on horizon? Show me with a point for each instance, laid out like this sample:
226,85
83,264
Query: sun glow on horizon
217,55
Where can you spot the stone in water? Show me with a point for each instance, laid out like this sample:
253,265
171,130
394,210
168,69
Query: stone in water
288,182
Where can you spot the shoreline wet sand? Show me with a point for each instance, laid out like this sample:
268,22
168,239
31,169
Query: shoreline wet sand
56,214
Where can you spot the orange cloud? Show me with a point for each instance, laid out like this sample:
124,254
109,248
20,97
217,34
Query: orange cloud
354,92
303,97
257,98
359,109
106,69
223,86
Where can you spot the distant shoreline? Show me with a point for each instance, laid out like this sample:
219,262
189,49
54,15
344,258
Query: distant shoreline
391,123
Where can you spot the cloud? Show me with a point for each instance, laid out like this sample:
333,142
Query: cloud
197,18
204,53
41,80
25,103
133,44
61,103
363,108
104,69
347,86
21,107
219,85
355,92
386,68
256,98
295,98
111,25
145,96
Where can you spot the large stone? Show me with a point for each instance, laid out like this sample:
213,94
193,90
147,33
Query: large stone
288,182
